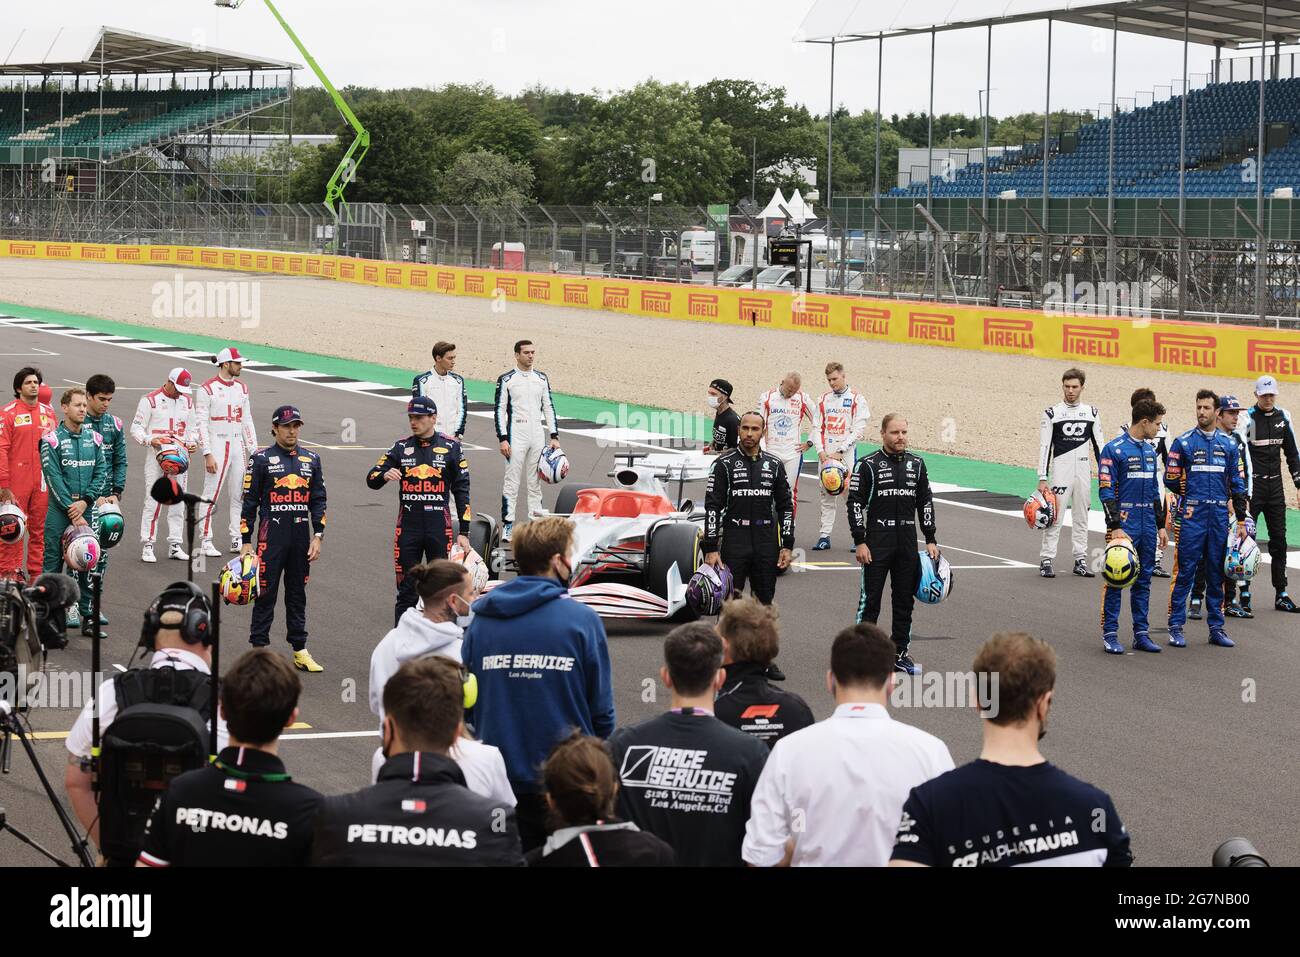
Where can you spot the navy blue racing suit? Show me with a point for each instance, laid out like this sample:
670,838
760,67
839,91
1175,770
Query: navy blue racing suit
1205,471
430,469
287,490
1129,486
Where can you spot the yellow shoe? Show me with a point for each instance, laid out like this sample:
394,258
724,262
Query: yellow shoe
303,661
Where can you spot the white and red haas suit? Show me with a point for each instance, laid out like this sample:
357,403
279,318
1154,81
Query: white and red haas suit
225,427
839,422
158,416
785,417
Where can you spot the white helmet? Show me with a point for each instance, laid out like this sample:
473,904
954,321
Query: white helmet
553,466
13,523
478,570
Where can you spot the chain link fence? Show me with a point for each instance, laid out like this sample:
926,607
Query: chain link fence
1217,267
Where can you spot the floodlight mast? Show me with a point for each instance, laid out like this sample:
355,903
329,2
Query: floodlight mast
346,171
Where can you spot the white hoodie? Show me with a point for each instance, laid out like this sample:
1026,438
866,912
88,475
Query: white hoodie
417,637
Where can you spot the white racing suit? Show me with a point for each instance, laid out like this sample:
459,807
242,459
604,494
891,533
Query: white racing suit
525,417
448,394
1068,433
157,416
225,427
839,420
783,438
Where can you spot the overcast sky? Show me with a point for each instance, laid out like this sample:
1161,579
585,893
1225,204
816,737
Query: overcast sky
614,44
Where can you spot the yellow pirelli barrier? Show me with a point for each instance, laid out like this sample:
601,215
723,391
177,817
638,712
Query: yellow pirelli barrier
1221,350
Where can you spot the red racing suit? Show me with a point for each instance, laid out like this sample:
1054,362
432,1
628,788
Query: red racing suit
21,428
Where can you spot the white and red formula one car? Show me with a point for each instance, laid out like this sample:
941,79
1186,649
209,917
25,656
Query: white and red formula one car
637,550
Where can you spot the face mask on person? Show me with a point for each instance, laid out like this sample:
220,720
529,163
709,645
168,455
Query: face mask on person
462,621
571,560
713,401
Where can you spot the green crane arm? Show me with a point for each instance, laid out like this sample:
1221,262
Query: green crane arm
347,169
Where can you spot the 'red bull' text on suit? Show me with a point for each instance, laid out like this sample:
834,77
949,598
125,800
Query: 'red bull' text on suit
286,490
431,468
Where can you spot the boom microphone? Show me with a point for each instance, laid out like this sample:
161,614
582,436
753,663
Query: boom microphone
54,589
169,492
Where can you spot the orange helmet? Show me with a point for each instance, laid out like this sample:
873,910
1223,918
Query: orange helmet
1040,509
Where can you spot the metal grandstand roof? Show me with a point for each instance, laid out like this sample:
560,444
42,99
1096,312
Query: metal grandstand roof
77,50
1233,22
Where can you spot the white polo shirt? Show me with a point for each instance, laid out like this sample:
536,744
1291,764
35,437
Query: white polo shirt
78,741
837,788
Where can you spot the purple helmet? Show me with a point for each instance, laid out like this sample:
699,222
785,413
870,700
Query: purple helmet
709,588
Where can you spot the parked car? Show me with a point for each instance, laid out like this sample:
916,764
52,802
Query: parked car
670,267
736,276
777,277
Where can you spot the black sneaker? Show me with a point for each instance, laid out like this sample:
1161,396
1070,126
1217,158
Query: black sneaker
1284,603
905,664
1158,570
1194,611
1045,568
1082,570
1246,611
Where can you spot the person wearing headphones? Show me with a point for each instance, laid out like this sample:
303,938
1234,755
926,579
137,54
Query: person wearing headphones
420,813
243,809
446,591
175,634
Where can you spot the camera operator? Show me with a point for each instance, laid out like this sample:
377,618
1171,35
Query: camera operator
173,647
243,809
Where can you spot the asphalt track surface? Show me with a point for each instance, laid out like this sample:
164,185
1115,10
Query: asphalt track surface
1194,745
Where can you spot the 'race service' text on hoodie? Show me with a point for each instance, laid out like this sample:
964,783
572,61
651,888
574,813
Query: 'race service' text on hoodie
543,669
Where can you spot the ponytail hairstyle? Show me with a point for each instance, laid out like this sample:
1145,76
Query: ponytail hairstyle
436,580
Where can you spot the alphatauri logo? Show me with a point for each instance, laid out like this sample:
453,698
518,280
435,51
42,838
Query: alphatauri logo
76,910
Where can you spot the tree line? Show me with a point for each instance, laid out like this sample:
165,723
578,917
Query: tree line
719,142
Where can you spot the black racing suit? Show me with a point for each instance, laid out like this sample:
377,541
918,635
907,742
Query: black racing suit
886,496
748,508
1269,435
430,468
287,490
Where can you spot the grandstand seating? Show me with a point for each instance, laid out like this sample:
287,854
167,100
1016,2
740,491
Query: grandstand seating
1221,129
130,120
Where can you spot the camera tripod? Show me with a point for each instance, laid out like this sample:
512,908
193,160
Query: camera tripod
11,727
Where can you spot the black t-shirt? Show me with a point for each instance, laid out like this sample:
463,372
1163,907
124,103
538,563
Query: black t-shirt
419,813
688,778
244,812
750,703
606,845
726,430
995,815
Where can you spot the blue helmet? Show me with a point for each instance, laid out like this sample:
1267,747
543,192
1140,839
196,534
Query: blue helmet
934,584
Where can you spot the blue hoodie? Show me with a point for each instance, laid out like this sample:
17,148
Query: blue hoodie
542,666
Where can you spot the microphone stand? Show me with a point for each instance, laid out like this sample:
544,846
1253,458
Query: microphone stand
216,665
191,519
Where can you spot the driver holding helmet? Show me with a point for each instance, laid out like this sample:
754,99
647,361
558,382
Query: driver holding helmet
889,492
